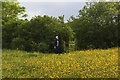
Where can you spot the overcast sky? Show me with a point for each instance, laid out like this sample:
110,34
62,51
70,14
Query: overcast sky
64,0
53,0
52,8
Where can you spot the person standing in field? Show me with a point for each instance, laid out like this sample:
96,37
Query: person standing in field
56,44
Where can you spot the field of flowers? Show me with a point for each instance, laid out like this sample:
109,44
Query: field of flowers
97,63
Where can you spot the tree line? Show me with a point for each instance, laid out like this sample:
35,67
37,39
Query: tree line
96,26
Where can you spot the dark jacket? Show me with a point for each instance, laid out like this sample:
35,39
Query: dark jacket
56,43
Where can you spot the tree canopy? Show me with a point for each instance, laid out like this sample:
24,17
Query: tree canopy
11,10
96,25
38,34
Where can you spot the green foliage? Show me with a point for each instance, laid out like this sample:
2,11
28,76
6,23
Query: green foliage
11,11
72,45
42,47
96,25
46,28
38,34
18,43
9,32
10,24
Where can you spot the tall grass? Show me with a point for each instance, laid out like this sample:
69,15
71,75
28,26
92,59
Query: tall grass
95,63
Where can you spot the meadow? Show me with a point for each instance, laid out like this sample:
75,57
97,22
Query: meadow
97,63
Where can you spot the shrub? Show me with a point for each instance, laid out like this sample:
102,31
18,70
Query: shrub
42,47
18,43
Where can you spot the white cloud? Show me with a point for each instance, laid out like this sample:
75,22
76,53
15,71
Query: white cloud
33,13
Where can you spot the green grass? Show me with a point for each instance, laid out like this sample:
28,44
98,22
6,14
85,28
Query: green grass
96,63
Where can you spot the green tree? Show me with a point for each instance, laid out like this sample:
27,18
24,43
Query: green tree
9,32
11,11
11,22
39,33
96,24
